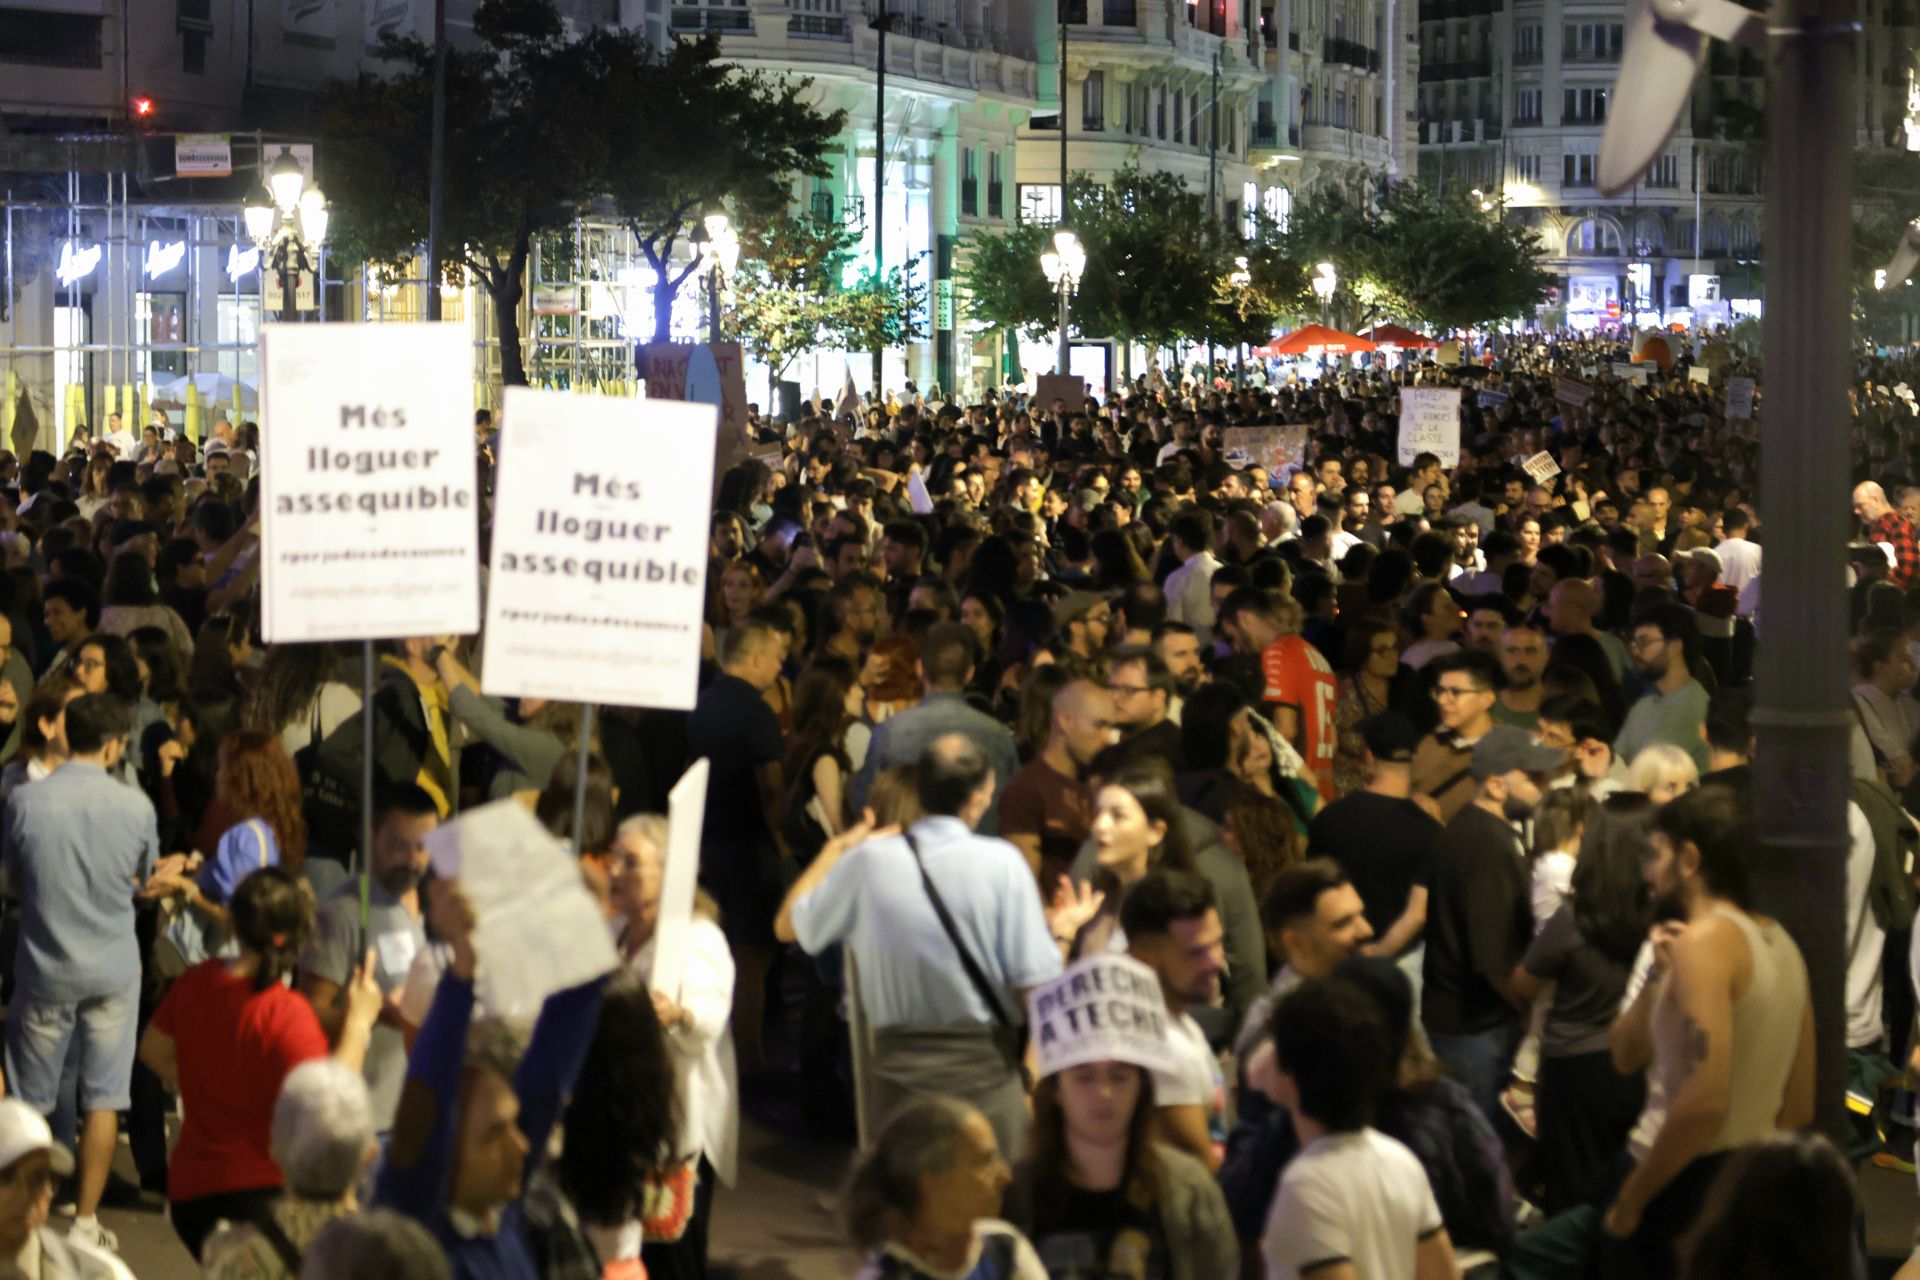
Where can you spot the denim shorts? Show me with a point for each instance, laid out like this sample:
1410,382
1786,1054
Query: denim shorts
102,1029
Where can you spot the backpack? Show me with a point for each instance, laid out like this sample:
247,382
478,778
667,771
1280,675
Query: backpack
1890,890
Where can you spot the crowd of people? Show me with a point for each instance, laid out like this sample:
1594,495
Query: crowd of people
1416,797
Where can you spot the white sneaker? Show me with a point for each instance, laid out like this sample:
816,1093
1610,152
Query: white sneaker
93,1235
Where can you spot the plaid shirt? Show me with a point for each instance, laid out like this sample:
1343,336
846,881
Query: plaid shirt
1897,531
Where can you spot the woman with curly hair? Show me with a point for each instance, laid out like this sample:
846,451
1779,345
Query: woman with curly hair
257,784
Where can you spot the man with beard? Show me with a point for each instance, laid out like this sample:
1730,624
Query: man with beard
1478,918
1723,1028
1178,647
395,933
1523,656
1675,704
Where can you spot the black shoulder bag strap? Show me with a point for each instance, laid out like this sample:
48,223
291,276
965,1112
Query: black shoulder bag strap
271,1232
967,962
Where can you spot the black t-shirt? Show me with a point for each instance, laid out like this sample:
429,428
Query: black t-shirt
1384,844
735,729
1101,1235
1478,923
1588,986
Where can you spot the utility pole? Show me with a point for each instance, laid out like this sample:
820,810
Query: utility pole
437,158
880,25
1213,141
1064,15
1801,779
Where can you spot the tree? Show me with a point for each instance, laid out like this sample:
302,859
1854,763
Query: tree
1887,198
788,298
706,134
525,149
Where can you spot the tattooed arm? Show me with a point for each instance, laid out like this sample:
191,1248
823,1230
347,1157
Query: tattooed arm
1705,961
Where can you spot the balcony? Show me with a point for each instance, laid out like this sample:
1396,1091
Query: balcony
1073,12
1465,69
1350,53
1266,133
711,20
1591,57
1119,13
818,26
1527,58
1442,10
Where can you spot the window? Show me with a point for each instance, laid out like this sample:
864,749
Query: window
1526,106
1179,117
1093,102
969,182
1745,239
1664,172
996,190
1592,238
193,53
1527,168
1578,171
1339,110
1249,210
1278,206
1583,106
39,39
1039,202
1591,41
1160,114
1526,42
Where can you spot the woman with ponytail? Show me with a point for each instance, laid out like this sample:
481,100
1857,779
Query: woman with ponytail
225,1037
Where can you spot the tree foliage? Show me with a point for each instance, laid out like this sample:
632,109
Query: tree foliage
1886,199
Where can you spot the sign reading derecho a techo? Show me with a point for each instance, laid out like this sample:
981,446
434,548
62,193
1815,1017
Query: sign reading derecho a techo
368,526
599,568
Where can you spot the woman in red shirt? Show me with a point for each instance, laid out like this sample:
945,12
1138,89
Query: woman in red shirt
225,1036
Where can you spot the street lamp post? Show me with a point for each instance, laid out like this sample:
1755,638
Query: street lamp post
718,248
1240,278
290,230
1324,283
1064,264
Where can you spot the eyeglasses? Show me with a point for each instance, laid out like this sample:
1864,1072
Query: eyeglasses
1118,689
1646,641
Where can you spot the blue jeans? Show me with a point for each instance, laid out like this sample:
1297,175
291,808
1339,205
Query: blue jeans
1479,1061
101,1029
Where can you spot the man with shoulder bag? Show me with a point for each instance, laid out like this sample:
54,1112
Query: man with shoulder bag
946,929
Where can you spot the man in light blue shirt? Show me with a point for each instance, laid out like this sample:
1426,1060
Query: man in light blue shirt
936,1030
78,845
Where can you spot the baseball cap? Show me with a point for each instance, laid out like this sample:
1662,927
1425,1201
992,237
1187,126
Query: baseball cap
1708,557
24,1131
1390,737
1506,748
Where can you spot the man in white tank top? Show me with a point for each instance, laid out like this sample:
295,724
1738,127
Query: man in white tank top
1722,1027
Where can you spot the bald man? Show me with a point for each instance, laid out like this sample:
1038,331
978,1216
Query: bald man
1654,571
1045,810
1884,524
1570,610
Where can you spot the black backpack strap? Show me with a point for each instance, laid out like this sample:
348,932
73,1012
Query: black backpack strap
270,1231
980,984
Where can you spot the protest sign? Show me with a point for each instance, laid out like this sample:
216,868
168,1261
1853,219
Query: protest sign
599,549
1701,375
1278,449
537,928
1447,354
1541,467
917,496
1491,399
1567,391
1430,423
1105,1008
1740,398
367,482
1069,387
680,867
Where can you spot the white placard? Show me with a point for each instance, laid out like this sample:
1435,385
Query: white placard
1541,467
686,815
599,568
537,929
1491,399
368,526
1105,1008
917,496
1740,398
1700,374
1430,423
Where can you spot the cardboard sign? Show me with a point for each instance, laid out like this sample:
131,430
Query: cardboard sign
1447,354
367,482
1491,399
1430,423
1740,398
1281,450
537,928
1104,1008
1701,375
1567,391
680,861
1541,467
599,549
1631,374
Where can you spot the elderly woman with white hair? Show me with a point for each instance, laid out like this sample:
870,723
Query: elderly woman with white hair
323,1140
1663,771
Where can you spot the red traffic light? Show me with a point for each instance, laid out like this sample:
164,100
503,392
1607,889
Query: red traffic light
141,106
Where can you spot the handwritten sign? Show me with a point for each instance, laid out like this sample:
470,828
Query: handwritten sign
1569,392
1701,375
1740,398
1491,399
1430,423
1541,467
1278,449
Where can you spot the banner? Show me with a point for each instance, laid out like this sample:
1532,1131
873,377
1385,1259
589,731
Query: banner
1430,423
202,155
599,549
1281,450
368,524
1740,398
1105,1008
1567,391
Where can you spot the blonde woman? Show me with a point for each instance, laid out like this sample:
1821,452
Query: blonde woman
1663,771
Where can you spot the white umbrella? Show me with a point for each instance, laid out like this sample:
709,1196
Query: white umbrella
216,389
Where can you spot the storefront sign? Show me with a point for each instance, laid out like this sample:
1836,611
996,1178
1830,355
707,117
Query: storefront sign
76,263
599,568
367,481
202,155
1430,423
162,258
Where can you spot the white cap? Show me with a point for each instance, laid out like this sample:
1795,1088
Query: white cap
24,1131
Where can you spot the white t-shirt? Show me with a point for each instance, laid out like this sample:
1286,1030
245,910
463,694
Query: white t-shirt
1866,940
1358,1197
1552,882
1197,1081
